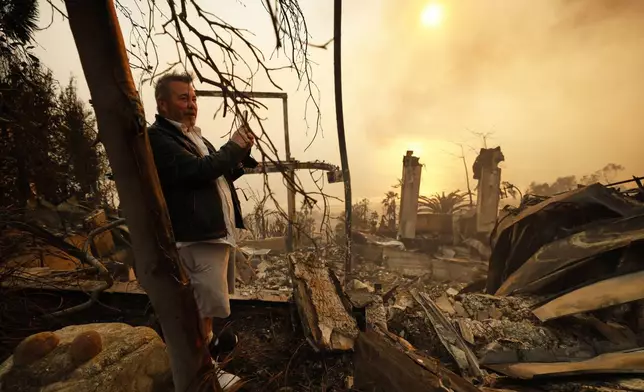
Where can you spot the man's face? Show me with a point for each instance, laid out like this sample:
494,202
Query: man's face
180,105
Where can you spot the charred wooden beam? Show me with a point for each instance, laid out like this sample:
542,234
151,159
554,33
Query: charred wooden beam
609,292
325,319
452,340
624,362
384,363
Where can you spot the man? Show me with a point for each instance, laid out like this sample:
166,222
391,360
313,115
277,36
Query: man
197,182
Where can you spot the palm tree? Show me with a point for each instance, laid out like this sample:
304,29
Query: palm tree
18,20
389,210
443,204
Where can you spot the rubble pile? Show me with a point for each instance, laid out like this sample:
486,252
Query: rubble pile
562,295
564,299
272,274
556,294
485,322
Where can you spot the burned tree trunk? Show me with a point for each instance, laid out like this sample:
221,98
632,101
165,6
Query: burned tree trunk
122,129
327,324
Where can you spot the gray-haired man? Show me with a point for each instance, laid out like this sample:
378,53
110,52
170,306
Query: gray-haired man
197,182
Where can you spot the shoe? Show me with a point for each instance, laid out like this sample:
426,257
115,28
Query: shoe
226,380
223,344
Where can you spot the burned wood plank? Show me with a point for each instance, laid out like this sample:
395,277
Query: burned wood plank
452,340
549,260
466,331
609,292
486,389
499,355
632,384
327,324
384,364
612,363
580,273
615,333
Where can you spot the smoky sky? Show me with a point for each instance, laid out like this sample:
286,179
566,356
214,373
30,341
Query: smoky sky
520,67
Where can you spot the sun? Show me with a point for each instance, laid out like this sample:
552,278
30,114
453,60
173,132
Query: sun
432,15
416,147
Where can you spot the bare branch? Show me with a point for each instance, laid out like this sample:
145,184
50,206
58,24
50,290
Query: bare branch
224,57
324,46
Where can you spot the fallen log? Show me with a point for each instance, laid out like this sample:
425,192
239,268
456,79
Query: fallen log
385,362
327,324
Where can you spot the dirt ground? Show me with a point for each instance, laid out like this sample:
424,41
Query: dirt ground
273,355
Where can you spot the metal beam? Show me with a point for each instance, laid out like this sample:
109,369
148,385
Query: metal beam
293,165
251,94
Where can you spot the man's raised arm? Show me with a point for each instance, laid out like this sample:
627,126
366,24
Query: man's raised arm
176,164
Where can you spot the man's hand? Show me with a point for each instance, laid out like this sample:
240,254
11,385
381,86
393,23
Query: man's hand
244,138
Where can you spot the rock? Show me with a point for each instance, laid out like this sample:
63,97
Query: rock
35,347
243,270
460,310
107,357
465,330
356,285
445,305
376,313
448,252
482,315
85,346
495,313
452,292
403,301
263,266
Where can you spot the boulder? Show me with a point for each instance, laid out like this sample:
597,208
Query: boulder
107,357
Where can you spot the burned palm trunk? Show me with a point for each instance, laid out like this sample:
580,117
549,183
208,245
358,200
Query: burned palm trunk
121,124
327,324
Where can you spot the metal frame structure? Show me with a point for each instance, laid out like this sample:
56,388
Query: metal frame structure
290,246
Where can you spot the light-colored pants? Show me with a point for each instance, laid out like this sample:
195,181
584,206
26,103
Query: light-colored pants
211,269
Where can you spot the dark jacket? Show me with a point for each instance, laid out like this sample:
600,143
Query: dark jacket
188,181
